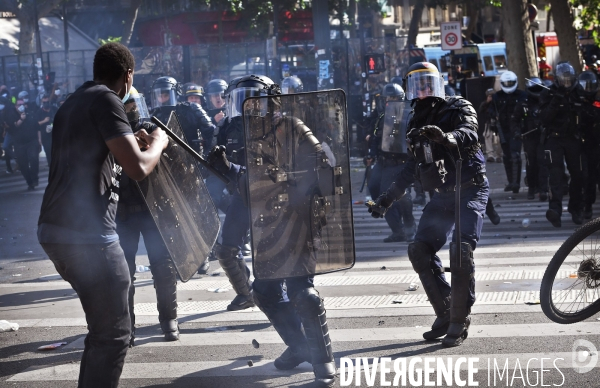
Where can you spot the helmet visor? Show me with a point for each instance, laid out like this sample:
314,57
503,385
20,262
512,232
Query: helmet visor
565,75
421,84
216,100
236,101
164,97
589,85
137,105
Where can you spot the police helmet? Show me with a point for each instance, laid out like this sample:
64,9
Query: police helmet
165,91
241,88
424,80
547,83
508,82
588,82
393,90
135,106
534,86
397,80
564,76
23,95
215,90
291,84
193,90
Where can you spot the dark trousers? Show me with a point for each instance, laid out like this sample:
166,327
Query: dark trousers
129,228
7,145
569,150
536,169
399,215
99,275
438,220
215,188
236,224
511,157
280,292
592,153
28,157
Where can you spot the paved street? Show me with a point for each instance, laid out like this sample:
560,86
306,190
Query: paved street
370,311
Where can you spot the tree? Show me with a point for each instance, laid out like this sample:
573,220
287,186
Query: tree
25,11
129,22
519,42
566,33
590,16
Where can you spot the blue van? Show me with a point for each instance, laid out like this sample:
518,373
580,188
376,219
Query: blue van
487,59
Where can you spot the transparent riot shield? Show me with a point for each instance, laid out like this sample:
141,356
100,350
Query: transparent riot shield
395,120
181,206
299,191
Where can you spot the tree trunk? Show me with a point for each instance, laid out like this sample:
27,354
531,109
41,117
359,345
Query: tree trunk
413,29
352,18
519,43
566,33
473,13
27,32
129,22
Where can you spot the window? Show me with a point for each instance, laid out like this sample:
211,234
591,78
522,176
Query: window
500,61
489,66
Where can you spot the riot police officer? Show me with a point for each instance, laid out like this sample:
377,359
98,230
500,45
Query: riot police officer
215,90
387,147
295,309
563,144
443,130
589,123
504,103
134,219
527,118
195,124
237,223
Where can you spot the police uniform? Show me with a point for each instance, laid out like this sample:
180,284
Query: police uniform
443,130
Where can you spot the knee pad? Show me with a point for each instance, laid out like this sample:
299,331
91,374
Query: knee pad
266,303
164,271
308,302
465,263
419,255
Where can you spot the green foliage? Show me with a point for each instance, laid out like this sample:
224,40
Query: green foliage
590,16
109,40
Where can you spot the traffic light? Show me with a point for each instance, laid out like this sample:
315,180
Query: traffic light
374,63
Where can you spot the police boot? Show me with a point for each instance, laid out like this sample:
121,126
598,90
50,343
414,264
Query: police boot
587,212
516,175
286,322
204,267
577,217
531,192
309,307
463,272
420,256
238,274
491,212
395,237
165,284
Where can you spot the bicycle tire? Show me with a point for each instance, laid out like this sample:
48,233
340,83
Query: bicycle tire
547,304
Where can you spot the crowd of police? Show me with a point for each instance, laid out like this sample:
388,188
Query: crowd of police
422,136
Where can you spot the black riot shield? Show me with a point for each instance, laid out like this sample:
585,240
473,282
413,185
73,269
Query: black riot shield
181,206
299,192
395,121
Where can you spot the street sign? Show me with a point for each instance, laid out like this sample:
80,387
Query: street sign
451,36
374,63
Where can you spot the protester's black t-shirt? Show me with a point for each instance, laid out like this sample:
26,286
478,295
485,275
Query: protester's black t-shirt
80,201
40,115
24,133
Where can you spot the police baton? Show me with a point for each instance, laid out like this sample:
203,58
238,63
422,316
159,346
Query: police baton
190,150
535,83
457,210
528,132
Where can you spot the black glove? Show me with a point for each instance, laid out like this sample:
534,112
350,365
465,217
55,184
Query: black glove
217,159
435,134
517,135
383,203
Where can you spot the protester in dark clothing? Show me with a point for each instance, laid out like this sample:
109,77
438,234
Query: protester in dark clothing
44,117
77,226
24,134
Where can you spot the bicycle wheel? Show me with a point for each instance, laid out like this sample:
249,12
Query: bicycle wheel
570,289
